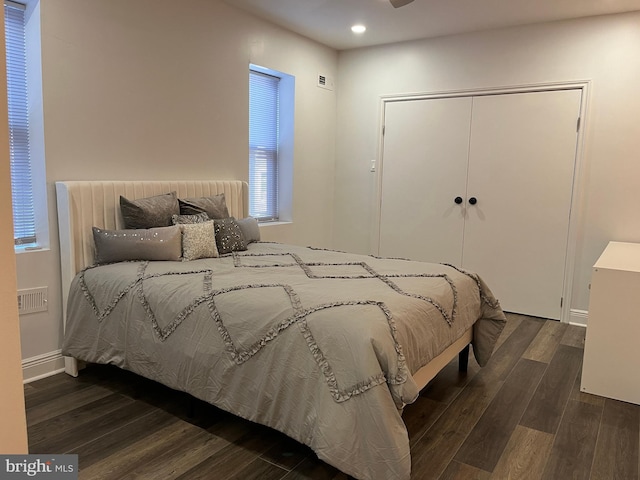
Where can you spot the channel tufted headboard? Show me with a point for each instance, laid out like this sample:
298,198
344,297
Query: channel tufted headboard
85,204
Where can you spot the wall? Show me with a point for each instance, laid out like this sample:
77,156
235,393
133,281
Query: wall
158,89
13,434
602,50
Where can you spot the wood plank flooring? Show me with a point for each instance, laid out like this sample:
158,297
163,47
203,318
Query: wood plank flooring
520,417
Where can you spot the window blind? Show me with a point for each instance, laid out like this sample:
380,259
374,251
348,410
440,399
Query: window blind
21,184
263,145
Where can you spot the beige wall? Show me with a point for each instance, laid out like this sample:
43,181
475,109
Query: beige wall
602,50
13,433
158,89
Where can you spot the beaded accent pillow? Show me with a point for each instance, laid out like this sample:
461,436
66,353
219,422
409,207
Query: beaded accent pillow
229,236
161,243
198,241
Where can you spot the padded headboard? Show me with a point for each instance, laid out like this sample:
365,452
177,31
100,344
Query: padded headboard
84,204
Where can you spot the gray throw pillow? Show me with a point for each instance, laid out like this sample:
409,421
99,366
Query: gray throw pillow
149,212
215,207
250,229
198,241
197,218
162,243
229,237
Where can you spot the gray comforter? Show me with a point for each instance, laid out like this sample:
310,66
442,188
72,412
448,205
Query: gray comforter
318,344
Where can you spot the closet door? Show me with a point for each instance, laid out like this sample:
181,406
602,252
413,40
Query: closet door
521,168
424,168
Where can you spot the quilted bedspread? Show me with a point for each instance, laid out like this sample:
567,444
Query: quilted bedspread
318,344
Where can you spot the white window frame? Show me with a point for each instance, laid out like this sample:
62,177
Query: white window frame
31,133
283,197
19,146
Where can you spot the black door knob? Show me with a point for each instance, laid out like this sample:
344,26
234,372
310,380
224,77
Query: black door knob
473,200
458,200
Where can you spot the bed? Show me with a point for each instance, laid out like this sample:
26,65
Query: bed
324,346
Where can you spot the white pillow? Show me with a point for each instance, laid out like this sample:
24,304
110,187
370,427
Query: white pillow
198,241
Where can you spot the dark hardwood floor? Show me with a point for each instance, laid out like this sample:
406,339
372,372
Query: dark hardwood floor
520,417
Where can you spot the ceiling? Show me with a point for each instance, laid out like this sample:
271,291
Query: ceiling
329,21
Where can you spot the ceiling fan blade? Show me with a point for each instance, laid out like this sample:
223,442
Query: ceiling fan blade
400,3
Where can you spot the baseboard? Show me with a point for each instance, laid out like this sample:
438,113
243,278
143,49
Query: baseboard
578,317
42,366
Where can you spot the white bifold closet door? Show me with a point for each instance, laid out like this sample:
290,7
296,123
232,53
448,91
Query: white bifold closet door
514,154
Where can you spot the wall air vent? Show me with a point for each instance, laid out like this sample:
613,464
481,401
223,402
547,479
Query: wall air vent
325,82
32,300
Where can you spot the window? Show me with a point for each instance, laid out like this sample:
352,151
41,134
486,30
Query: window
271,146
264,113
21,178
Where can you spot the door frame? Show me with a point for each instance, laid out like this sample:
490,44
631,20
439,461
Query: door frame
576,208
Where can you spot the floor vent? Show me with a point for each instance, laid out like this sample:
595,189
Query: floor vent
32,300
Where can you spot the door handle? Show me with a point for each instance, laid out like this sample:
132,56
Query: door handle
473,200
458,200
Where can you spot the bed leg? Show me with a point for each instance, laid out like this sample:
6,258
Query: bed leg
463,359
71,366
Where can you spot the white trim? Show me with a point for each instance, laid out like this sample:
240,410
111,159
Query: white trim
42,366
533,87
273,224
577,212
578,317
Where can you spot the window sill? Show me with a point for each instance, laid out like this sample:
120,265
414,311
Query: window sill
29,249
270,224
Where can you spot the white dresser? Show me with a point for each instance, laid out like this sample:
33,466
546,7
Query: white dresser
612,346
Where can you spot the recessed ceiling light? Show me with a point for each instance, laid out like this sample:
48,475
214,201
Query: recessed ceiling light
358,29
